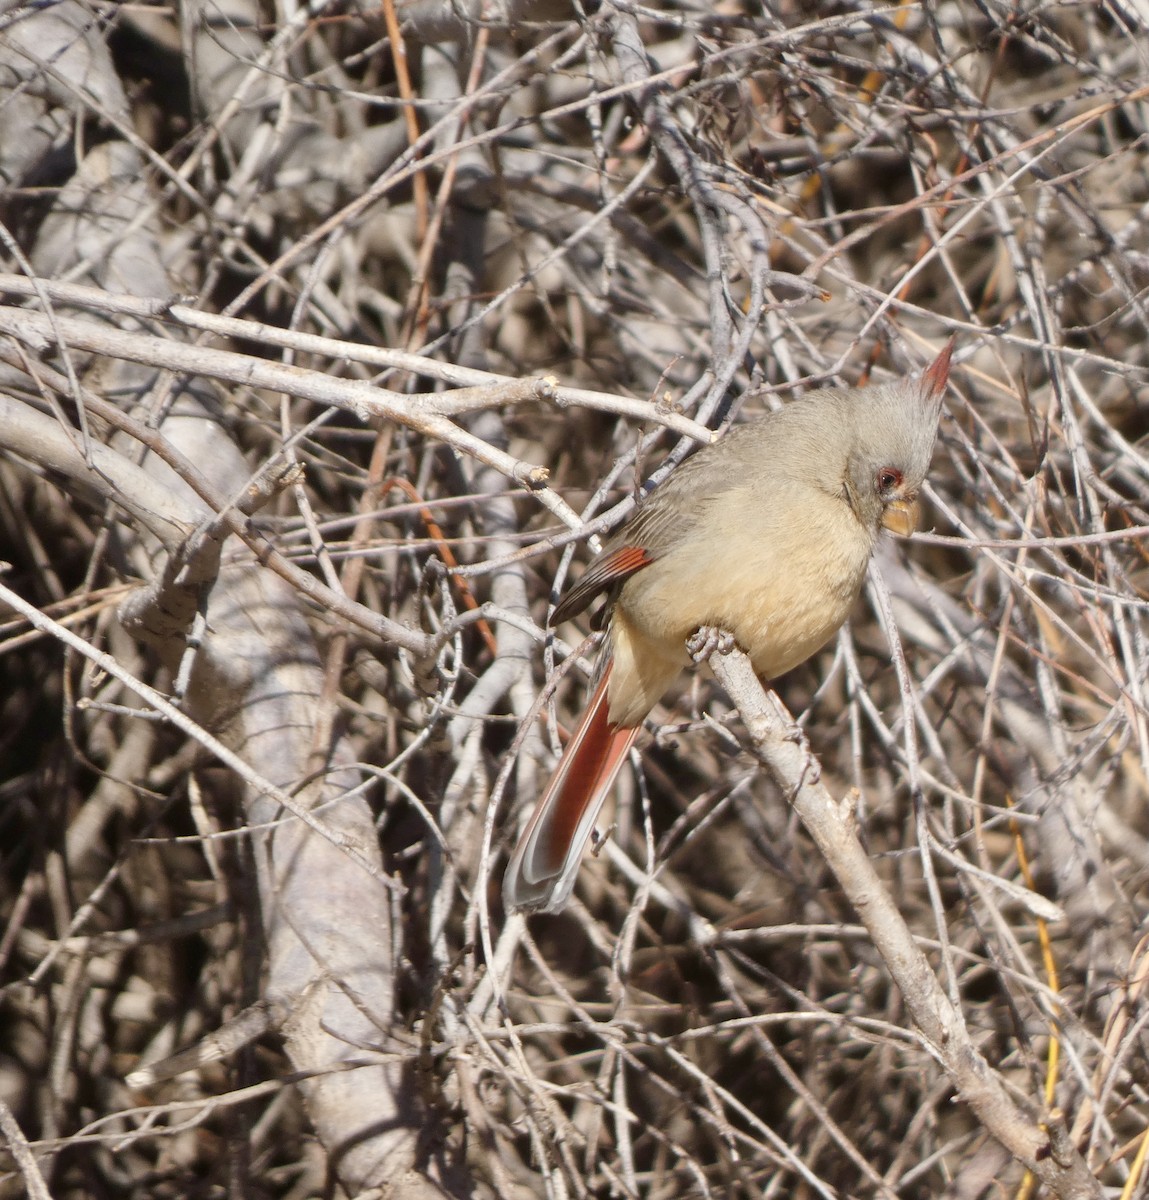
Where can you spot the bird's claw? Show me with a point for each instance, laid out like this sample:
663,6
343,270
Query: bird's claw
708,640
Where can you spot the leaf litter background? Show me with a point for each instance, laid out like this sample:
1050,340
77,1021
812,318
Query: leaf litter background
632,217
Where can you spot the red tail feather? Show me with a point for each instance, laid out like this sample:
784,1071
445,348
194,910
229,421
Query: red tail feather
542,870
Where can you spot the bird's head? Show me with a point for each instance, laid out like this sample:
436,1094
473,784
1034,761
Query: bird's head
894,426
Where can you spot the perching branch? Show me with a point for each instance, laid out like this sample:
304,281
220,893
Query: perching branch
779,743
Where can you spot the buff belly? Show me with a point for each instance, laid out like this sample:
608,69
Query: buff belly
783,597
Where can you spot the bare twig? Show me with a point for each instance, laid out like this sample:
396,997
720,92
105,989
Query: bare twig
783,749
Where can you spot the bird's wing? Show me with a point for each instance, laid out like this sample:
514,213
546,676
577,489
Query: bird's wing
663,519
604,573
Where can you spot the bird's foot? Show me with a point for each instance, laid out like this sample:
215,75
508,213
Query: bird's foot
708,640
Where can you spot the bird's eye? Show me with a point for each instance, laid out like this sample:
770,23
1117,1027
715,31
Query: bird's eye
888,479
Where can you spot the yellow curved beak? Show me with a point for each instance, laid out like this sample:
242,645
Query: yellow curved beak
901,517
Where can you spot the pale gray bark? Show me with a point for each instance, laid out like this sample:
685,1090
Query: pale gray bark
370,338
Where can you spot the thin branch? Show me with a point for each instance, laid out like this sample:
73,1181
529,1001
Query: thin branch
782,748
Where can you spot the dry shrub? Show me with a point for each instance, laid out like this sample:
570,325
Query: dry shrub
680,212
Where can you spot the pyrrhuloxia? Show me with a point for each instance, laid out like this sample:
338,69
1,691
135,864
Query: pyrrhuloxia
764,534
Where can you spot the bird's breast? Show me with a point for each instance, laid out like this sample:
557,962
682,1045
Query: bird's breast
780,573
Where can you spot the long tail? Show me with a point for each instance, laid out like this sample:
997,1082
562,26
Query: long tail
542,870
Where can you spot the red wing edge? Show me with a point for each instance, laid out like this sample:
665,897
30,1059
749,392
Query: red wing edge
606,570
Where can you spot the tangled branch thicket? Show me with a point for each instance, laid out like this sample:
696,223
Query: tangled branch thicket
332,334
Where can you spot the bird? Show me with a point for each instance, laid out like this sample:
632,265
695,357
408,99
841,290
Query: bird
766,535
